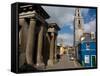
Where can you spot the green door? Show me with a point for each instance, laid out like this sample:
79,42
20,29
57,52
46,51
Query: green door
93,61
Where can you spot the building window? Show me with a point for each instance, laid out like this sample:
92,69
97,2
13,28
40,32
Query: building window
87,46
78,14
78,10
79,22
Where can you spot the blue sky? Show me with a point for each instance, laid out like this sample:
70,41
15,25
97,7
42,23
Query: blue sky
64,17
89,16
66,29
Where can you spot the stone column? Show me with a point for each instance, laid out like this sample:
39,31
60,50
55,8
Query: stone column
39,47
23,33
22,41
30,41
55,53
48,37
51,56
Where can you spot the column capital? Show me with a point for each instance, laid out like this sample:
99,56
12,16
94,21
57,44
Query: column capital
21,21
27,14
32,19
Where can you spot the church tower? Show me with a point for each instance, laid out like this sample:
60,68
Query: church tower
78,26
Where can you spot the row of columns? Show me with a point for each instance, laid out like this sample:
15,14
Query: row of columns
29,44
27,41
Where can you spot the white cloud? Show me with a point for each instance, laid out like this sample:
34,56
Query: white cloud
60,15
67,39
72,27
90,26
64,16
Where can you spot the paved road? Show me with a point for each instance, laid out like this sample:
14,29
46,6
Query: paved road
65,63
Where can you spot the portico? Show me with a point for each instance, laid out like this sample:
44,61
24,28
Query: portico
37,38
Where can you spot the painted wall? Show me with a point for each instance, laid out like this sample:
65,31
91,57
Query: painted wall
85,54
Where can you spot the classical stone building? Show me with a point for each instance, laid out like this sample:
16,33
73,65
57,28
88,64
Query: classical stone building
37,38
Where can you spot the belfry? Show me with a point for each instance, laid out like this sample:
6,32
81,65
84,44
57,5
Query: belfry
78,30
78,26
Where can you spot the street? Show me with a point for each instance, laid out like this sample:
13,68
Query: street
65,63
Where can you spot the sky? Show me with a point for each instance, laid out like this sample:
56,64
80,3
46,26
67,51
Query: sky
64,17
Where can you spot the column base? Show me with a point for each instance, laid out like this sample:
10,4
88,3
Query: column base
50,62
40,66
